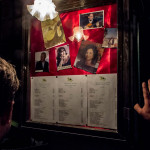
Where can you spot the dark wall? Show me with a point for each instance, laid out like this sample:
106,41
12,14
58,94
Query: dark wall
144,33
11,38
144,38
10,28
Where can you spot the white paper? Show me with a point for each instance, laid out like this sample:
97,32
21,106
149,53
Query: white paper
72,100
102,100
43,91
76,100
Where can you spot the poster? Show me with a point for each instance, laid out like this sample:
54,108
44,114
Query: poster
53,33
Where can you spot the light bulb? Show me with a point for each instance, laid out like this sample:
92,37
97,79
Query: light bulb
78,36
43,10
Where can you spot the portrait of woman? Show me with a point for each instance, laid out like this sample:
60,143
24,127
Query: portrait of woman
62,58
88,58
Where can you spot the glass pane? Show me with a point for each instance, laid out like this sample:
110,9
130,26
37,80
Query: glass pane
73,69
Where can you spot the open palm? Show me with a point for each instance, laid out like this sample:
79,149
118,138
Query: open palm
145,110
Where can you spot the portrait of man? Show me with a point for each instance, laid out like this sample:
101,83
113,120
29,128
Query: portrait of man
92,20
63,57
42,62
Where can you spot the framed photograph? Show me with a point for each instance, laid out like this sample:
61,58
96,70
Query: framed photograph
88,57
42,61
62,57
110,38
92,20
93,63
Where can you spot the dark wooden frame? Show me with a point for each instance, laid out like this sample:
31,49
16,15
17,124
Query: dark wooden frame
128,68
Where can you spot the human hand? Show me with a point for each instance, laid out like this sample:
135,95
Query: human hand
61,61
66,58
145,111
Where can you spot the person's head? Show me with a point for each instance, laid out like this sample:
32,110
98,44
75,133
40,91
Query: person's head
90,53
9,84
91,16
61,52
43,56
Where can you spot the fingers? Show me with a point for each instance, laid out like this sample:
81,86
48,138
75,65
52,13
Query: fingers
145,91
145,110
146,94
149,85
138,108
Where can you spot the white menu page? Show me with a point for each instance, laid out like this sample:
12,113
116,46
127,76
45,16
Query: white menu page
102,100
43,91
72,100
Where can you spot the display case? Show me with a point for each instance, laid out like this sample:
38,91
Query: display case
80,73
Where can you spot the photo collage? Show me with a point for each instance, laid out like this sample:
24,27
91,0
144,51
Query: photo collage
76,46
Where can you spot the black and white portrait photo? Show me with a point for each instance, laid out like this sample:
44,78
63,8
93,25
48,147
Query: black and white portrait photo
63,57
42,61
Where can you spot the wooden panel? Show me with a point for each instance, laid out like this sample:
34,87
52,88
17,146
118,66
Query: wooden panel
69,5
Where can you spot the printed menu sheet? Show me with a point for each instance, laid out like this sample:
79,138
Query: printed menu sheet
43,91
72,100
76,100
102,100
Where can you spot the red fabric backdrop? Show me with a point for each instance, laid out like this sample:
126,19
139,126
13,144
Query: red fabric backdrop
108,63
